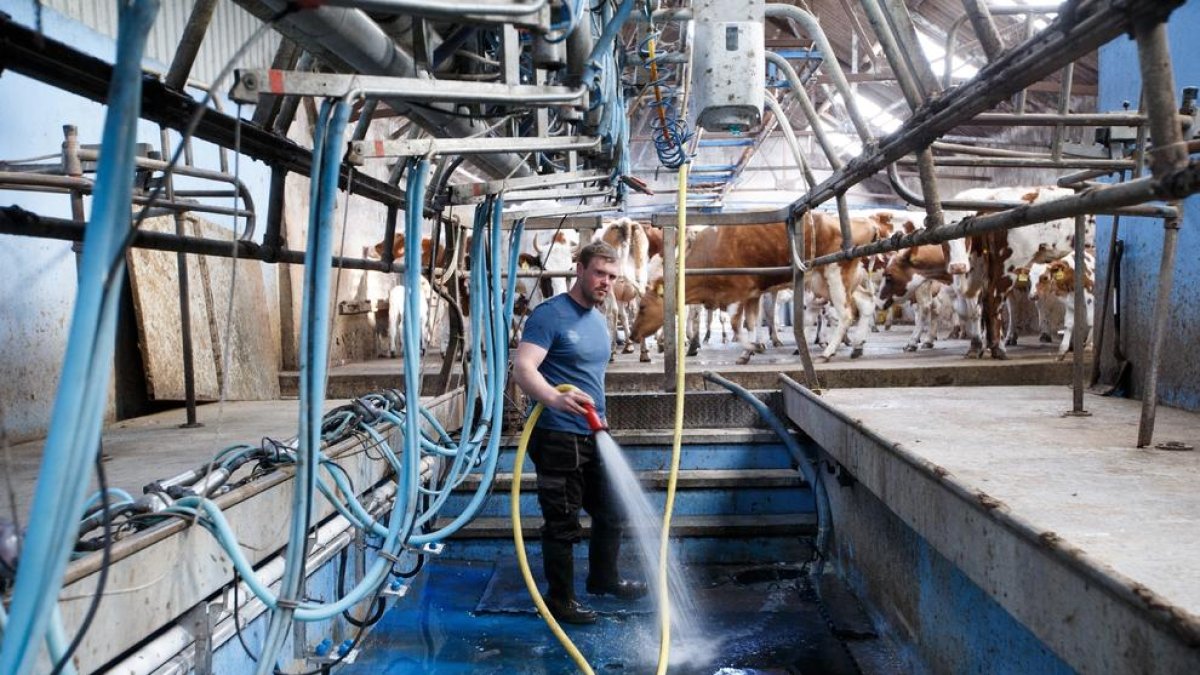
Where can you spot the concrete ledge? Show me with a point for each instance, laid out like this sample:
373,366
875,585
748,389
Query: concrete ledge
1058,523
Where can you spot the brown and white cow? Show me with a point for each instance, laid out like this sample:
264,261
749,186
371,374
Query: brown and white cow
766,246
996,257
1055,284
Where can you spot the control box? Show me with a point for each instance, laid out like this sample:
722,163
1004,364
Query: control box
728,66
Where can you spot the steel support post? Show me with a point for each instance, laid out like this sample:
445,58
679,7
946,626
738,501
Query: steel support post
1079,333
798,308
189,43
671,313
185,299
1167,155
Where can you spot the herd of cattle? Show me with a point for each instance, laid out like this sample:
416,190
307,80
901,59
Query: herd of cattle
969,283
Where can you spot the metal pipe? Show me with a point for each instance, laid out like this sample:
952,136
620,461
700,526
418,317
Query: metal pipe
793,145
350,38
916,93
14,220
902,28
813,28
891,50
1064,104
1166,157
1054,119
1175,185
1027,162
985,29
1023,94
159,165
1080,319
189,43
947,62
185,299
454,9
810,113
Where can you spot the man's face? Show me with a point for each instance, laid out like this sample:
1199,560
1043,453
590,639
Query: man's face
595,281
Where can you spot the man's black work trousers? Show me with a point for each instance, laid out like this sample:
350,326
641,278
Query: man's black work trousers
570,476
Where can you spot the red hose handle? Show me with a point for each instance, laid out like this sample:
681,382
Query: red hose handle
593,420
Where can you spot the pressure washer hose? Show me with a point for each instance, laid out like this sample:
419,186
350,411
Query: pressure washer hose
664,648
519,539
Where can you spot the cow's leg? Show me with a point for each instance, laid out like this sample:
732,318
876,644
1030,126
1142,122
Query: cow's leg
929,311
712,313
967,305
839,305
864,304
1045,336
1010,335
395,317
623,309
1068,326
750,310
773,321
693,330
723,320
918,324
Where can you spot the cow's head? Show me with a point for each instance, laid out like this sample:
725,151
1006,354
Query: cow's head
650,311
397,247
896,279
1023,284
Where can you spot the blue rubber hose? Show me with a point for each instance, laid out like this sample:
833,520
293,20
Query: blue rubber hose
79,408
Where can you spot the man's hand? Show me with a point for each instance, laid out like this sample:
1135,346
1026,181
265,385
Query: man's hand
571,401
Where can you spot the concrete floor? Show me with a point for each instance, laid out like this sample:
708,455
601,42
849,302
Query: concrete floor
1133,513
147,448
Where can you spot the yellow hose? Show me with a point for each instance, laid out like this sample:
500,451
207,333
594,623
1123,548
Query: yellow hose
519,538
664,649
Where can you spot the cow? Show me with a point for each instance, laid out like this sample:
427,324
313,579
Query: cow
996,256
433,309
1055,284
629,239
654,240
765,246
426,247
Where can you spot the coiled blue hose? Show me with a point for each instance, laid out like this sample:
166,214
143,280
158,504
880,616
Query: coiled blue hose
667,129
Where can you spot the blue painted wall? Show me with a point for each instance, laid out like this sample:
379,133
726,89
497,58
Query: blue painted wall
1179,383
942,621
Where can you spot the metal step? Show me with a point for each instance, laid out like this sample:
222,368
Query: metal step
783,525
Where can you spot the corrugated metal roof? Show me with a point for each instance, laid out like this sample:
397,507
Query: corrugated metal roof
231,26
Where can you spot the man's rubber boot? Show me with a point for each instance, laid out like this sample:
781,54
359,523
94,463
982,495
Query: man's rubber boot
558,564
603,577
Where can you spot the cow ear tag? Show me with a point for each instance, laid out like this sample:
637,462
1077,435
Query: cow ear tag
524,266
1060,275
1023,277
660,291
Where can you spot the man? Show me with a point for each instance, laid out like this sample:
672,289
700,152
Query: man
566,342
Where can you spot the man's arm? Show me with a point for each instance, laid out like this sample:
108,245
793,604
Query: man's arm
525,371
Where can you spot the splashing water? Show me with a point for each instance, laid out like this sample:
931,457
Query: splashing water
644,524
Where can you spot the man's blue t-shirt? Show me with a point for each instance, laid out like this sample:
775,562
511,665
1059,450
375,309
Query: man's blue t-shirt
577,348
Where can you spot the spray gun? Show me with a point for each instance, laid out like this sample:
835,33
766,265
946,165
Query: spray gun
593,419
